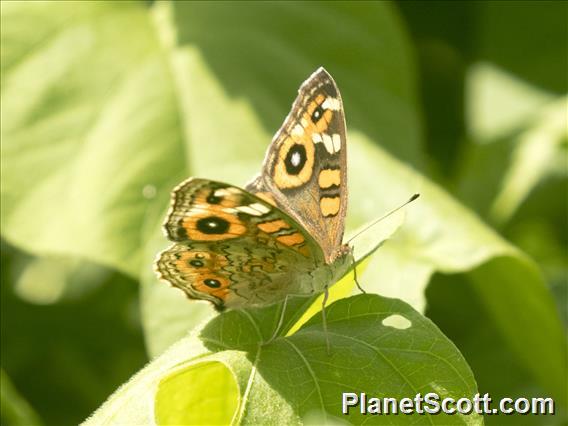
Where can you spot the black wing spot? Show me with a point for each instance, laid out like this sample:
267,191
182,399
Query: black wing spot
179,232
317,114
213,199
212,225
295,159
213,283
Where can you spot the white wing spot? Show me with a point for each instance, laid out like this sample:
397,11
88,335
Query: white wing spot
336,139
298,130
260,207
331,103
249,210
316,137
397,321
223,192
328,143
255,209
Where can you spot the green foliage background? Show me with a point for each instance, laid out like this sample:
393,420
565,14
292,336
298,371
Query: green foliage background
106,106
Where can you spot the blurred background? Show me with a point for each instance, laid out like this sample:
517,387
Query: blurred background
106,106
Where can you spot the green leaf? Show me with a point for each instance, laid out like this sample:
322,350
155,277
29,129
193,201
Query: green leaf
518,134
534,159
48,280
89,121
15,409
441,235
92,336
131,403
502,38
293,377
498,103
457,308
103,114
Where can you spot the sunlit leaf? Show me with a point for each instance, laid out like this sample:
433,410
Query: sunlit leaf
533,159
89,121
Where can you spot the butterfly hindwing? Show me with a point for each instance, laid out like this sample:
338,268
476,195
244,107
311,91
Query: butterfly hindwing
234,248
306,164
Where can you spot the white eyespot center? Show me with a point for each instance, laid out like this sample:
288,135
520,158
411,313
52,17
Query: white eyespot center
295,159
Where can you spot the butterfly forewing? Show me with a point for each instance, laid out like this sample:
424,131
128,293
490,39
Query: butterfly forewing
304,172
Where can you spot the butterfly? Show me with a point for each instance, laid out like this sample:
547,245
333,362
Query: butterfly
282,234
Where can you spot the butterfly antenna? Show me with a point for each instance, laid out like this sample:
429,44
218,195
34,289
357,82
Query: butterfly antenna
410,200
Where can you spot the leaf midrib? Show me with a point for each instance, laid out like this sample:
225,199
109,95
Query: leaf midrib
312,373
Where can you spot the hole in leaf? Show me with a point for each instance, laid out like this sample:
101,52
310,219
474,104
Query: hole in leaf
397,321
205,393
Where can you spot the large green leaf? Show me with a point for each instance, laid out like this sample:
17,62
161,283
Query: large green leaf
400,355
91,144
89,121
441,235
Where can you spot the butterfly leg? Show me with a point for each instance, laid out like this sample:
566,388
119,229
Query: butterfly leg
280,320
282,313
355,271
324,319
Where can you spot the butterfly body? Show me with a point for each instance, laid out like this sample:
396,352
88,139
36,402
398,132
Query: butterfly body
280,235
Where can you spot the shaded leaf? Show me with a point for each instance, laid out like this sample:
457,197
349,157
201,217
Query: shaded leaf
15,409
65,358
510,33
294,376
